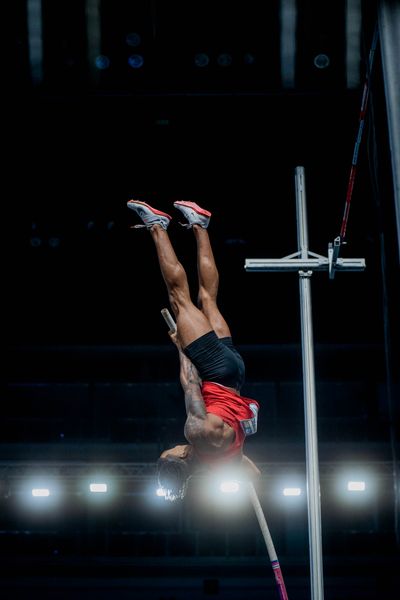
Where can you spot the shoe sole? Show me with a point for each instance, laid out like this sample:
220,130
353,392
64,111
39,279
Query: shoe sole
193,206
131,203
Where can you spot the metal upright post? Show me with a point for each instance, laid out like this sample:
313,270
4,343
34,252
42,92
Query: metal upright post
389,28
305,263
310,410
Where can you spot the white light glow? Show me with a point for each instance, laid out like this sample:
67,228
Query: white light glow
295,491
161,492
357,483
229,487
98,488
356,486
40,492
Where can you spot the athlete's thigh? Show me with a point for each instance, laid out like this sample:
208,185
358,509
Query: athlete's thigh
191,324
211,311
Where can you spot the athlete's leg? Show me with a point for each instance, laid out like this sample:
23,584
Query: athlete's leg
190,321
198,219
208,282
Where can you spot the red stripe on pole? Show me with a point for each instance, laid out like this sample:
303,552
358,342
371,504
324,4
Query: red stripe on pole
350,187
280,583
363,110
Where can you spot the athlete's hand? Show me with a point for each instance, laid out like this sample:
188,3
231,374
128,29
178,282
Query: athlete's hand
174,337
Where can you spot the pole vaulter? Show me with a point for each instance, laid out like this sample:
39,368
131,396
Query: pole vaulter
255,502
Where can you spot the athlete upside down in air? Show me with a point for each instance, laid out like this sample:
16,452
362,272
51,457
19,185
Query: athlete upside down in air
211,369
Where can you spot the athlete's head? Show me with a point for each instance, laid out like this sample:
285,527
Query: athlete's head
173,475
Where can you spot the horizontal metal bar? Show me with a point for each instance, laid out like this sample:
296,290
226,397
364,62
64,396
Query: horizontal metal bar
298,264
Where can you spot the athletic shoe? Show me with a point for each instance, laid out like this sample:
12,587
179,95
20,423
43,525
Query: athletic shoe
193,213
149,215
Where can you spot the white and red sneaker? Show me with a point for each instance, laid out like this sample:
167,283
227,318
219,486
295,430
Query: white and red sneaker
149,215
194,214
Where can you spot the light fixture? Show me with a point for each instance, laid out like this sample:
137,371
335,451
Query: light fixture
224,59
40,492
136,61
291,491
322,61
98,488
356,486
133,39
356,483
249,58
201,59
229,487
102,62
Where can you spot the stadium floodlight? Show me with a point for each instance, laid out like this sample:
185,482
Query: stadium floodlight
98,488
40,492
356,486
291,491
229,486
356,483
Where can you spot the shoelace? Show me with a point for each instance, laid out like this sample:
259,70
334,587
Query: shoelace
141,225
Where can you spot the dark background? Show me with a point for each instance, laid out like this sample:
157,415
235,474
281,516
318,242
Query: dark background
91,377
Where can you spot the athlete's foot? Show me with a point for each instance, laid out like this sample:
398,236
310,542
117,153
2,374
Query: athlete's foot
194,214
149,215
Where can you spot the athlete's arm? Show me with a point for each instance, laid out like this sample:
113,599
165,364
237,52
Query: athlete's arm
201,427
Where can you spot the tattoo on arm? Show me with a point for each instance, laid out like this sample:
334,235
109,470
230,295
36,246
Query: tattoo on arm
194,402
188,372
196,413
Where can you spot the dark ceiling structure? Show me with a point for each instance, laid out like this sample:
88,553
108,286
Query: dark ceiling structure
215,102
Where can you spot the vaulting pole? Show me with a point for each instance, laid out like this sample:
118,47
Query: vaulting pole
168,319
268,542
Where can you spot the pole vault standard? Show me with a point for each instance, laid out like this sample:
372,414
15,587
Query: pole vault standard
305,262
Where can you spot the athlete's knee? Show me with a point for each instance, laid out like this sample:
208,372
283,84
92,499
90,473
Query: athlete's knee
178,300
177,277
206,299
